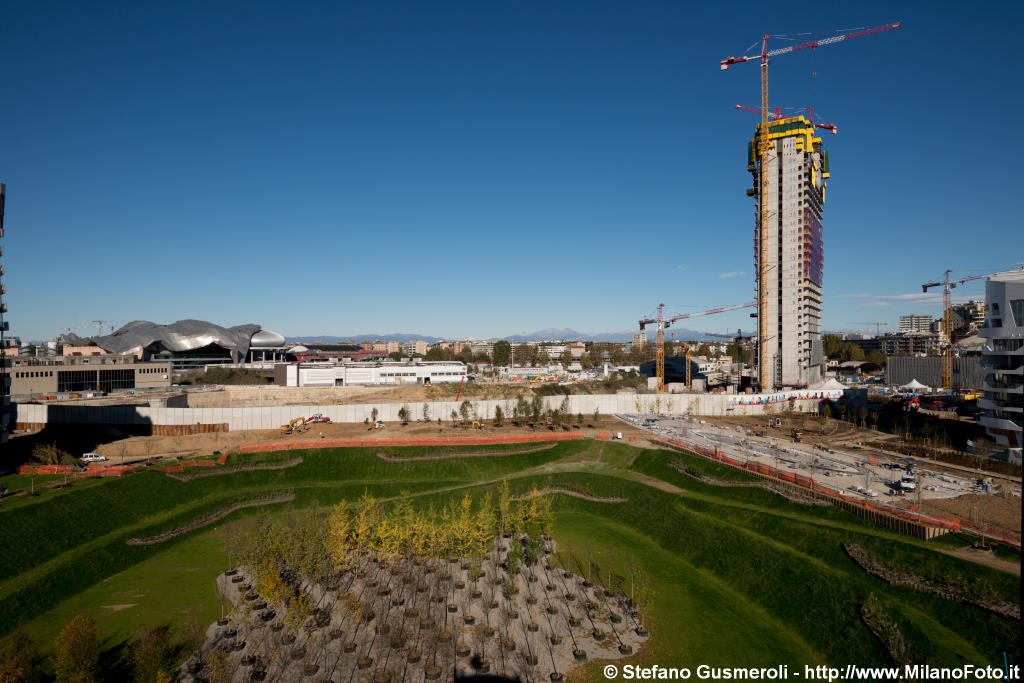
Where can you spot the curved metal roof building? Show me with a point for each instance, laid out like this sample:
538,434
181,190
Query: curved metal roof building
182,337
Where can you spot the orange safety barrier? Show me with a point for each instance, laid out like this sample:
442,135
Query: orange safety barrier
602,435
872,460
222,459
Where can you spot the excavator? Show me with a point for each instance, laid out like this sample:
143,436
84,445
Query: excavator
293,426
318,417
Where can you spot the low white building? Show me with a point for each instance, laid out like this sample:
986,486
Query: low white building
357,374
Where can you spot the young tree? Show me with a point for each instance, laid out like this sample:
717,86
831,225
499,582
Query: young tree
403,414
76,653
465,409
220,666
522,410
499,416
373,415
426,413
151,654
536,408
502,353
19,658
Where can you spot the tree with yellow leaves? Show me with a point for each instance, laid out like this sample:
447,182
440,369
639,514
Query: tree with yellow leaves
268,579
300,608
342,542
462,529
219,664
18,658
483,531
76,653
504,502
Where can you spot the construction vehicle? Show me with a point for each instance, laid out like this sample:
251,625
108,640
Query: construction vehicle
317,418
775,422
912,403
477,424
293,426
797,435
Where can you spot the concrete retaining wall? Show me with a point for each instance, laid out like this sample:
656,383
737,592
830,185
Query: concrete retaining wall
273,417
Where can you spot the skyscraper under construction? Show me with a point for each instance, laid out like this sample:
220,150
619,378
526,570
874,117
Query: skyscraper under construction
790,260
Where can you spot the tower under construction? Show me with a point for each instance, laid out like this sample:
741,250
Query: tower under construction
788,253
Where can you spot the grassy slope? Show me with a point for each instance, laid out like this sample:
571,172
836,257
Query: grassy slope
170,587
731,565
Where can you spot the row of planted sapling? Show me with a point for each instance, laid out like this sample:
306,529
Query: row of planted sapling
390,592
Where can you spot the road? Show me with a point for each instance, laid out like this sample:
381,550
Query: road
845,471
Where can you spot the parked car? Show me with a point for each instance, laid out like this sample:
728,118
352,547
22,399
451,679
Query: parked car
93,457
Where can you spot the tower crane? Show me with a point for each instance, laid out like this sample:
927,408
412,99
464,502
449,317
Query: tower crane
100,323
663,323
830,127
764,145
946,339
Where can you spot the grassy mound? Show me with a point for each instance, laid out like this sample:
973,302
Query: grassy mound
742,576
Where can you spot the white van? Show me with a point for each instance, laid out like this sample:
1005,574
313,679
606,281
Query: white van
93,457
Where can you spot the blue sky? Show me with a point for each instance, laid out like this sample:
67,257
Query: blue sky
483,169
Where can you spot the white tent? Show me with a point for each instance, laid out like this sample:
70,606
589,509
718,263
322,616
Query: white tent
830,384
914,385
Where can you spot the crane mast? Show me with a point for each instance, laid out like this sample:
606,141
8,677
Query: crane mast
764,145
946,341
662,322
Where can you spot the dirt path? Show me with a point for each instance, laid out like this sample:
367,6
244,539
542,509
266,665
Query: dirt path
475,454
985,557
573,494
211,518
234,470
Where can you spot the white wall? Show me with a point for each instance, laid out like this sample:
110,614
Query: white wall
273,417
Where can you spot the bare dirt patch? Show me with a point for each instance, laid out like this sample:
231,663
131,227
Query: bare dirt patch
122,449
995,511
118,608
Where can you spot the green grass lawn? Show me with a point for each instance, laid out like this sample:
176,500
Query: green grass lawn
171,587
742,576
696,617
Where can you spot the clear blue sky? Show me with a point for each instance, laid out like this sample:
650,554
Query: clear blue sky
483,169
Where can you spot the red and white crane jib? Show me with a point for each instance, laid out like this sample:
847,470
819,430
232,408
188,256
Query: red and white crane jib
766,53
712,311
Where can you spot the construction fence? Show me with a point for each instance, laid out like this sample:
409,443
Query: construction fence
909,521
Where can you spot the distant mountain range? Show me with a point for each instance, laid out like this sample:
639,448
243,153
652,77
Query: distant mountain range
549,334
360,338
